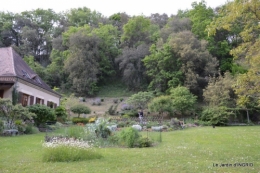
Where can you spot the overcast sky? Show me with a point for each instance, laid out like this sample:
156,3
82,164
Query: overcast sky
107,7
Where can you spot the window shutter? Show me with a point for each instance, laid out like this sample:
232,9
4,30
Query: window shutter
31,100
20,97
42,101
55,105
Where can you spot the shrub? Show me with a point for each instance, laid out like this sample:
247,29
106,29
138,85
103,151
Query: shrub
43,114
77,120
115,101
132,113
80,109
1,126
128,137
69,151
97,102
144,142
216,115
112,109
126,106
61,113
121,124
92,120
75,132
30,129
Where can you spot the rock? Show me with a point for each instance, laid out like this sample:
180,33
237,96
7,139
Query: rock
137,127
157,128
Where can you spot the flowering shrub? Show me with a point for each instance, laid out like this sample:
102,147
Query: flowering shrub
97,102
60,149
92,120
126,106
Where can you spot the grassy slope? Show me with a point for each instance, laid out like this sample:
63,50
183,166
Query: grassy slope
189,150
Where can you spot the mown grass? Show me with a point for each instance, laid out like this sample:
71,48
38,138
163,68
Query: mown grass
190,150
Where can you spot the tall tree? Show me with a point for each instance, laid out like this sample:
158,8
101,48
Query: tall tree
82,65
246,15
81,16
136,31
131,66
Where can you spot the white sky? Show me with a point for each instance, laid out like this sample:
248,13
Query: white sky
107,7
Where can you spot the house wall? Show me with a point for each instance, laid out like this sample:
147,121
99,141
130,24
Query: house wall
8,93
37,93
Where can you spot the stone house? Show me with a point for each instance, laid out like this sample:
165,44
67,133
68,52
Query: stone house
16,77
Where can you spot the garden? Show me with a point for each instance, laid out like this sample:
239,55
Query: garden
200,149
106,135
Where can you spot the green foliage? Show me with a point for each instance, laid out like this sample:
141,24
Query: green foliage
61,113
161,104
182,99
1,126
201,16
76,132
112,109
219,91
77,120
144,142
102,130
163,67
14,95
216,115
80,109
83,16
136,31
128,137
68,154
11,112
140,99
30,129
43,114
130,113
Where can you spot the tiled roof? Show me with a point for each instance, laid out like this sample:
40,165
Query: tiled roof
11,64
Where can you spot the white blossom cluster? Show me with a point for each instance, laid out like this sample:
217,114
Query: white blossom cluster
68,142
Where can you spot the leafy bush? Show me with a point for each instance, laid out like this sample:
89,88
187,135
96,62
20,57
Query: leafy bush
144,142
30,129
128,137
61,113
131,113
43,114
121,124
80,109
102,130
216,115
126,106
112,109
77,120
1,126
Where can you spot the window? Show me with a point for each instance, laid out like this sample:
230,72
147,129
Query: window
50,104
1,93
26,74
25,99
39,101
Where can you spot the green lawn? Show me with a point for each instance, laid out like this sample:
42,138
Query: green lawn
190,150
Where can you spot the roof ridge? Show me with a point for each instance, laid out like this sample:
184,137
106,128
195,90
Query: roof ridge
12,57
